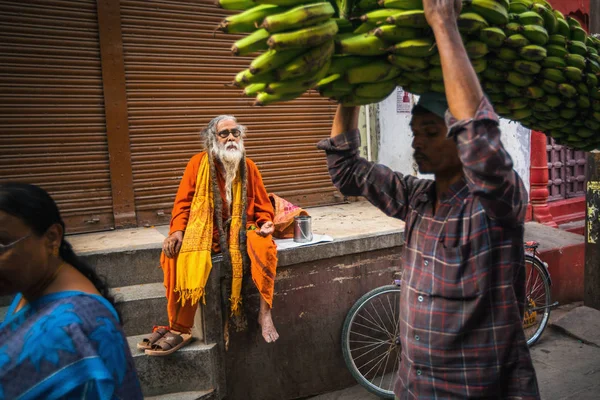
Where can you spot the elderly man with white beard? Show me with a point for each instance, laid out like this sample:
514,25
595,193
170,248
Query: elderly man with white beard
238,223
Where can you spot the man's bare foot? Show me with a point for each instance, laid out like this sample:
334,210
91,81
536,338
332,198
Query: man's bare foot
266,322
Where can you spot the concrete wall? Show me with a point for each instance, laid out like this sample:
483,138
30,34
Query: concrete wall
311,301
395,140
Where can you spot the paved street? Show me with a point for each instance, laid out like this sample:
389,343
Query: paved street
566,367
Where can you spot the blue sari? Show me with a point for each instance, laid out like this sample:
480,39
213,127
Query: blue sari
66,345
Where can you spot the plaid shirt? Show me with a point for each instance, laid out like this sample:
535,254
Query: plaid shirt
463,285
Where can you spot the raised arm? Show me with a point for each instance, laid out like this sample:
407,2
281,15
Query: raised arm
474,125
354,176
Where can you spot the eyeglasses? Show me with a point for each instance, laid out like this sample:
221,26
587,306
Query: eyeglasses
5,247
224,134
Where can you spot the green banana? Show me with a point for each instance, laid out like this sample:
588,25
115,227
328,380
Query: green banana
573,73
327,80
568,113
435,60
354,100
573,23
556,51
512,90
554,75
527,67
248,20
554,62
591,80
495,75
417,87
533,52
513,28
300,84
365,44
493,87
367,5
476,49
577,47
535,34
418,76
339,64
394,33
501,110
570,103
593,66
264,77
409,19
507,54
582,89
521,114
240,5
563,28
479,65
596,115
435,74
307,63
375,71
303,38
344,26
496,98
365,27
376,90
408,63
491,10
567,90
423,47
551,100
591,124
585,133
529,18
558,40
402,4
255,41
550,22
492,36
578,34
471,22
534,92
516,40
254,88
500,64
518,79
298,17
378,16
520,6
516,103
575,60
263,98
272,59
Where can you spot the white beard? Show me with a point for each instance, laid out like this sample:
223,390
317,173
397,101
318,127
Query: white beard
231,161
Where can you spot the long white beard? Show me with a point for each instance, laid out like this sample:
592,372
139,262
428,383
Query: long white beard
231,161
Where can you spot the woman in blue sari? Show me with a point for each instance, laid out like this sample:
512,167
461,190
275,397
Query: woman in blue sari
61,337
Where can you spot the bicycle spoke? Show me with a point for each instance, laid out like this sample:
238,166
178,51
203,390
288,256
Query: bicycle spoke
379,360
375,309
367,346
370,351
375,323
371,361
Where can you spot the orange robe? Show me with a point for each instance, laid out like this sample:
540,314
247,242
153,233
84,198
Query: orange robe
259,210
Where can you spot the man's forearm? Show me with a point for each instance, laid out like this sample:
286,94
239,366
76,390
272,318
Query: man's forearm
346,119
463,90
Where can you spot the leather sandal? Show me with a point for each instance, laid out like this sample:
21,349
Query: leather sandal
155,336
168,344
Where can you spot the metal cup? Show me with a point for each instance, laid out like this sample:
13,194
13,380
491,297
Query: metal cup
303,229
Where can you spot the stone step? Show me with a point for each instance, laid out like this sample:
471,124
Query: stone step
141,307
5,300
190,369
127,267
203,395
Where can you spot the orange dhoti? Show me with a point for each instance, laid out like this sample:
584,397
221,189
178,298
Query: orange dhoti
263,264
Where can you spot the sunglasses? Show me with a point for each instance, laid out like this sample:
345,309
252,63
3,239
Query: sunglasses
5,247
224,134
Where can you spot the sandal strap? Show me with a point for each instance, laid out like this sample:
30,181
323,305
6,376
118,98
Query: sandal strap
167,342
156,335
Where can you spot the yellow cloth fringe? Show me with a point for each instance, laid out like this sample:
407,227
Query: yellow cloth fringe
234,247
194,262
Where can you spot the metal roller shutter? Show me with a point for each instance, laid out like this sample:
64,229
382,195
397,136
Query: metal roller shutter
176,70
52,120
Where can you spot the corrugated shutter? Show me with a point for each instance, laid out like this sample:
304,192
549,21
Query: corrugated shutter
51,107
176,70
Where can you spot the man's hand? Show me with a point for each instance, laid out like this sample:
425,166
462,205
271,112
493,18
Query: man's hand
266,229
441,11
172,244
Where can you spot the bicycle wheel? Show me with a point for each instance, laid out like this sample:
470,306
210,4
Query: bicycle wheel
370,341
537,299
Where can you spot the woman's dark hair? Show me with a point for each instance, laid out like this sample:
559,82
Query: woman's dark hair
34,206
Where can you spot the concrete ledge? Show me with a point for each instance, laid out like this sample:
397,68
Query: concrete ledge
204,395
189,369
565,254
141,307
583,323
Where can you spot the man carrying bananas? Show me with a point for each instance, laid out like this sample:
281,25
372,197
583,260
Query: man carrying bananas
221,206
463,281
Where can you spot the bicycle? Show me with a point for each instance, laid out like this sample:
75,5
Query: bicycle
370,337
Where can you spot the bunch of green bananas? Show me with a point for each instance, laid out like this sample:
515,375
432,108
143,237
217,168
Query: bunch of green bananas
296,41
537,66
